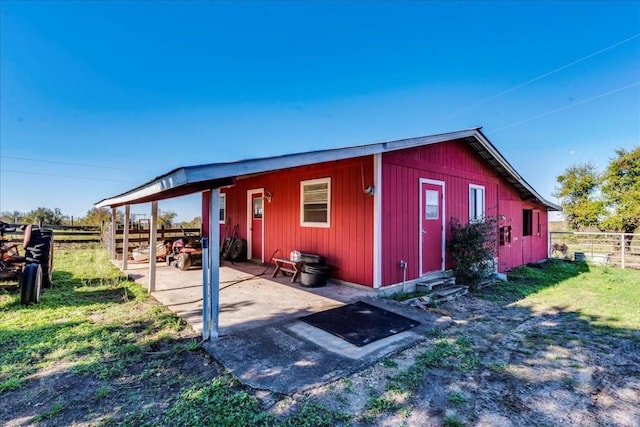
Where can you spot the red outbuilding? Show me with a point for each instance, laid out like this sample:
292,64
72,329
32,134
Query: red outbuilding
379,214
368,210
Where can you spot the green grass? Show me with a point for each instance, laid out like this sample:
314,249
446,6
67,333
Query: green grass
452,422
456,398
603,296
445,353
66,327
97,327
217,403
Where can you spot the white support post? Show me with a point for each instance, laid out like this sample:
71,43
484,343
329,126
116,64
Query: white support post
125,238
206,294
622,242
377,221
153,232
112,237
213,317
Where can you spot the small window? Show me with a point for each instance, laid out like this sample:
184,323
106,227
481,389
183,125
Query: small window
223,208
527,222
476,203
431,207
505,235
315,197
257,207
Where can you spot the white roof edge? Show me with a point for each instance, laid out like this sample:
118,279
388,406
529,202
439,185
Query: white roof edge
216,171
505,164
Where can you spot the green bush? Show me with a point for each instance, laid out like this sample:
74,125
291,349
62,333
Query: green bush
473,246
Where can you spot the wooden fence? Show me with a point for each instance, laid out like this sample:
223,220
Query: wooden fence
613,249
94,234
140,237
63,233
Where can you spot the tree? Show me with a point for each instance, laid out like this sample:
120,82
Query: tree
165,218
196,222
621,191
97,217
609,201
14,217
45,215
579,196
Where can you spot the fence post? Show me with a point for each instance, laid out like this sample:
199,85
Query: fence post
623,249
112,234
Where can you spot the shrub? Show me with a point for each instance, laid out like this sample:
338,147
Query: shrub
473,246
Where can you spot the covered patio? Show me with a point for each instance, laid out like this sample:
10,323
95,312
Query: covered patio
249,296
261,337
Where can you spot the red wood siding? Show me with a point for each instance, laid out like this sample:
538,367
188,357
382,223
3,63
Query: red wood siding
522,249
347,244
457,166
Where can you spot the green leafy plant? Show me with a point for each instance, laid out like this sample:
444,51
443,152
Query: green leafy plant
473,246
452,422
456,398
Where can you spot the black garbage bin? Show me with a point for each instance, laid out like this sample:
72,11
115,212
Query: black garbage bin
314,275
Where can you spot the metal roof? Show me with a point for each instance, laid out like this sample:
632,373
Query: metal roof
192,179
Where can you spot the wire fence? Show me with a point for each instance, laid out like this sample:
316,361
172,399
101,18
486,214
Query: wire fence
611,249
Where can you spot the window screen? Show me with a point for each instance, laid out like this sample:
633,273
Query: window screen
316,198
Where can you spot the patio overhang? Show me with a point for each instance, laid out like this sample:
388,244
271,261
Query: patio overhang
191,179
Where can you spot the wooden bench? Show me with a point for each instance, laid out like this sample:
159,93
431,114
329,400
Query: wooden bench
287,266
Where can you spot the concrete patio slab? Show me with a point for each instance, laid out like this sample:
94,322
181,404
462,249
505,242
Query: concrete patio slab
261,339
292,356
249,296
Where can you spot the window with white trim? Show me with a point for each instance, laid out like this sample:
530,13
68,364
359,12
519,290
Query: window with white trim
431,207
476,203
315,202
223,208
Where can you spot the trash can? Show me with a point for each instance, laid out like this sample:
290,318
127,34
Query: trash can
314,275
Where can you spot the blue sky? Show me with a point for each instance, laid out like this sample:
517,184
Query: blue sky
98,97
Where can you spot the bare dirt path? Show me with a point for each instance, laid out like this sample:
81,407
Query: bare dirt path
500,366
492,366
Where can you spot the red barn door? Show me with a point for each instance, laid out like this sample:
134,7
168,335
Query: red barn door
431,226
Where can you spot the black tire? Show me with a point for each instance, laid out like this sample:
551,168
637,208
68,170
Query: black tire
40,250
238,251
183,261
31,284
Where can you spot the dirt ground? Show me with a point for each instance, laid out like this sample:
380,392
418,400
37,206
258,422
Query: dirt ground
501,366
518,369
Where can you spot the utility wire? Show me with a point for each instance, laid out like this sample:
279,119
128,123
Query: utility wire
72,164
584,101
62,176
584,58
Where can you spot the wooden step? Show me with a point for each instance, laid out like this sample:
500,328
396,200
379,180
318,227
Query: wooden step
449,293
435,283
